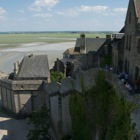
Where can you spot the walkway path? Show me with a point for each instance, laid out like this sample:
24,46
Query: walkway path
12,129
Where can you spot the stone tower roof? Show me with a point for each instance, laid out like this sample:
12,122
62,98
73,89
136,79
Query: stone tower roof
34,67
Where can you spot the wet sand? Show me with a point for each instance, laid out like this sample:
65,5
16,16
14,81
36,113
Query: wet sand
10,55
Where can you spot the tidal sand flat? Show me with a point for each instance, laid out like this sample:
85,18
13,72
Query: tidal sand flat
10,55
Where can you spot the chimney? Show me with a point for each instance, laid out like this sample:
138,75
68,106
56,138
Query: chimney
16,67
108,36
82,36
82,44
31,56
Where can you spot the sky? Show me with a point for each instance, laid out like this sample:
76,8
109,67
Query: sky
62,15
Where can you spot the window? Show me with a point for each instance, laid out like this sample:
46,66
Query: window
126,67
106,49
129,43
129,17
138,47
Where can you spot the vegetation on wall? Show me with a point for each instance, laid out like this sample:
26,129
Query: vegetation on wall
100,113
41,124
56,76
106,61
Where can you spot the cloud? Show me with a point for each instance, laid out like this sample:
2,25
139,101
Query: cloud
68,13
2,13
123,10
43,15
83,8
39,4
21,11
99,8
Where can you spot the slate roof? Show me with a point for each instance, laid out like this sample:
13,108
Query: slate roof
92,44
137,7
34,67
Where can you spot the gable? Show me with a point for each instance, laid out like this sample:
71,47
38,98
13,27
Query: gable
137,9
131,12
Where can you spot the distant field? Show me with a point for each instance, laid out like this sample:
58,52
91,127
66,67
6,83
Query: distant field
12,40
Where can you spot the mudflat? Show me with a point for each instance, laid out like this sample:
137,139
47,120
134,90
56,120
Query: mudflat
10,55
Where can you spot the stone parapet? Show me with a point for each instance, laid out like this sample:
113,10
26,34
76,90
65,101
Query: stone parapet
20,84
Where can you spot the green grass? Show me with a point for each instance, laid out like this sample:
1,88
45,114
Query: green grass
42,37
12,40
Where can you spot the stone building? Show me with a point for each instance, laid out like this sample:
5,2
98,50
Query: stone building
132,40
126,51
118,51
87,53
23,93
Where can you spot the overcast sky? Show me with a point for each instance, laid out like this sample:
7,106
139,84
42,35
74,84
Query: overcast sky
62,15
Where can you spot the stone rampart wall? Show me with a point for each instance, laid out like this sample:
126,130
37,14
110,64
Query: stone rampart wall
59,94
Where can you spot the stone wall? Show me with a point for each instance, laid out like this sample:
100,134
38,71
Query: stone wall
56,97
21,97
132,98
59,93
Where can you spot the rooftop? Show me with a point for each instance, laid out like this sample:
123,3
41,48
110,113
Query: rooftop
92,44
34,67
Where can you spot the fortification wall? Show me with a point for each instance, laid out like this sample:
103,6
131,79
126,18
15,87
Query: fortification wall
132,98
59,94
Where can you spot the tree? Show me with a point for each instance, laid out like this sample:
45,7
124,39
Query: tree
56,76
41,123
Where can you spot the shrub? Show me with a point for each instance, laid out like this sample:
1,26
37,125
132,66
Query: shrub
56,76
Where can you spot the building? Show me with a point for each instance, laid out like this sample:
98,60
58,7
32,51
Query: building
132,40
118,51
87,53
22,93
32,67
